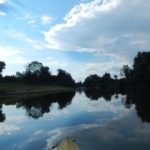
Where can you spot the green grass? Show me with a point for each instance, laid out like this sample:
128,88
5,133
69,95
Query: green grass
25,88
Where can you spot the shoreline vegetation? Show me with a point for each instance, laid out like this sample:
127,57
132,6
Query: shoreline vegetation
13,89
37,79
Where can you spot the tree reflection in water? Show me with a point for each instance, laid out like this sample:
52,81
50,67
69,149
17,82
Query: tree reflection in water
139,98
96,93
2,116
37,106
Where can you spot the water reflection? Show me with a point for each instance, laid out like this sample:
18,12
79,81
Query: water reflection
124,133
102,119
96,93
2,116
37,106
139,98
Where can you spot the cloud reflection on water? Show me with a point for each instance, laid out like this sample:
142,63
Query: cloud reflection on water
7,129
126,132
99,124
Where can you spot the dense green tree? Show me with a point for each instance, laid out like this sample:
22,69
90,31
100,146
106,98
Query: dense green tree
19,75
106,77
34,66
45,75
92,81
106,80
126,72
36,72
79,84
141,69
116,77
139,76
64,78
100,82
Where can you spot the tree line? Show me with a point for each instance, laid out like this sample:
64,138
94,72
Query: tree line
36,73
137,76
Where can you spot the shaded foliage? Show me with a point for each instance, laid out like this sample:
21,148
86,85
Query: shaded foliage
103,82
79,84
64,78
36,72
126,72
92,81
141,69
2,66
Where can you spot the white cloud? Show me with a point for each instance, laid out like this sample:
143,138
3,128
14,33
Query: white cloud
3,1
104,26
36,46
53,62
18,119
23,37
8,52
45,19
31,22
112,66
3,13
14,59
30,41
75,22
17,60
11,55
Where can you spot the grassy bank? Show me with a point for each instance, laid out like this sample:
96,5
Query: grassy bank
22,89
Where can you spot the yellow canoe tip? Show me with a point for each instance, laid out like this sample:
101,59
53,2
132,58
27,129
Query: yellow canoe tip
68,144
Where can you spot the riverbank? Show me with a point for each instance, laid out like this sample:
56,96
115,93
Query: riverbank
7,89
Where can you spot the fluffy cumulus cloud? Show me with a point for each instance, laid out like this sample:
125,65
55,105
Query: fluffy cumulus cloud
104,26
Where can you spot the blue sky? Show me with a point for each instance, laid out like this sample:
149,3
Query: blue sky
81,36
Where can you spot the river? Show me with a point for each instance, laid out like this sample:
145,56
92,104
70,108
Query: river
94,122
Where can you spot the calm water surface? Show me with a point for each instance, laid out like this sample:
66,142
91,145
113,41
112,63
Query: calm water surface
96,123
